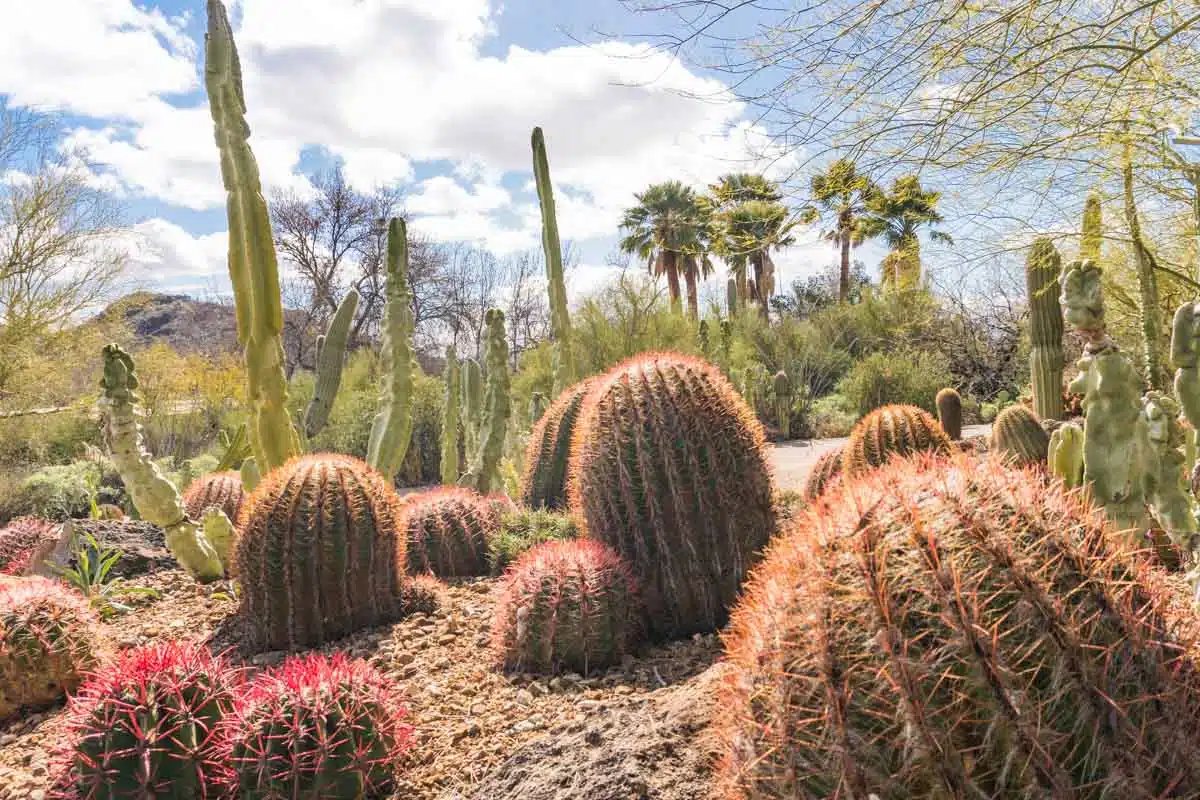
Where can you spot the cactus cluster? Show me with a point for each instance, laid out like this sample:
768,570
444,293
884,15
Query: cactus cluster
224,490
20,542
949,410
1018,436
1042,270
950,627
543,483
822,475
319,554
668,467
483,474
566,606
447,530
892,430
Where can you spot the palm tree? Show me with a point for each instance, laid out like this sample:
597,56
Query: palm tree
843,194
738,187
898,217
666,227
748,232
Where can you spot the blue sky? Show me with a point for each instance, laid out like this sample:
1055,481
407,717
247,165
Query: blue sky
438,96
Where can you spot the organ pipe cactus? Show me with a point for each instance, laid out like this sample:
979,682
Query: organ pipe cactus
731,297
392,428
726,345
484,472
1046,328
783,403
560,322
331,353
450,407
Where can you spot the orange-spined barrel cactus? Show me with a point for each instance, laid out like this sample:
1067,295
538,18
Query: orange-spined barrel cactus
221,489
668,467
823,473
49,639
447,531
894,430
952,627
566,605
543,484
319,554
1019,437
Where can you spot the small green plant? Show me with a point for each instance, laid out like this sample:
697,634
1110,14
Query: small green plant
90,576
524,529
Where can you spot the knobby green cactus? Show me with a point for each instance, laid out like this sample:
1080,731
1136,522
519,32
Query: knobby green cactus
450,418
726,345
560,322
783,403
1166,480
1045,329
484,473
1185,357
155,497
1065,454
392,428
331,353
472,401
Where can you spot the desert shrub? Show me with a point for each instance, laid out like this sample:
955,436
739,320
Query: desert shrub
524,529
58,492
907,377
831,417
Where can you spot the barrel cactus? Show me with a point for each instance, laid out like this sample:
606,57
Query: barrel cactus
543,483
668,467
893,430
446,531
224,490
1017,435
827,468
319,553
950,627
20,542
49,639
566,606
949,411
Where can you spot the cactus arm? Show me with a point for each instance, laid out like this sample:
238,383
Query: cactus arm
1066,454
236,449
331,353
392,427
560,322
449,465
484,474
155,498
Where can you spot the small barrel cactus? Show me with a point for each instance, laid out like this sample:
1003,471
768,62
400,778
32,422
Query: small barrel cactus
949,411
447,530
827,468
20,542
951,627
543,484
566,606
148,725
319,554
317,727
1017,435
224,490
668,467
893,430
49,639
422,594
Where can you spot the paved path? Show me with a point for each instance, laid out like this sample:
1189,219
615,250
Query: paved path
792,460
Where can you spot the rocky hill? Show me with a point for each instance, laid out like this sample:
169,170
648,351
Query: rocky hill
187,325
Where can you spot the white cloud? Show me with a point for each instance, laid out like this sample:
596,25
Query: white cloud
163,254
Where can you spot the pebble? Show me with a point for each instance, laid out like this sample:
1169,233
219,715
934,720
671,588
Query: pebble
589,705
539,689
534,723
37,794
447,638
524,697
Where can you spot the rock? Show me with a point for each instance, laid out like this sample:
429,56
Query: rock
269,659
524,697
143,546
534,723
539,689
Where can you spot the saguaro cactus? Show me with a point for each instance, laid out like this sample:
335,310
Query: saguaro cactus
1046,358
331,353
392,428
450,418
484,473
560,322
783,403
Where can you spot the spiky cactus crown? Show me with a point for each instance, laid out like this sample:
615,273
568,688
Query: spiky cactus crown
1018,436
20,540
148,725
892,430
950,627
668,467
446,531
224,490
319,553
543,483
566,605
827,468
949,411
317,727
49,638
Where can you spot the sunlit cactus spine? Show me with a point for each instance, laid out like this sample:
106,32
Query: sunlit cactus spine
544,481
483,473
782,391
566,606
958,628
1018,436
824,472
148,726
949,410
21,540
331,355
892,430
391,429
319,554
447,530
224,490
450,418
50,638
1042,270
668,467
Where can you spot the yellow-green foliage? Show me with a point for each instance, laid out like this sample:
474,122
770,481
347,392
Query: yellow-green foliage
908,377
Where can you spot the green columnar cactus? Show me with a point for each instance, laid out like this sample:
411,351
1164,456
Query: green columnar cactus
449,466
253,268
155,497
1042,269
726,345
392,429
890,430
1093,233
1019,437
753,377
331,353
484,473
1166,481
560,322
702,338
543,483
783,403
731,297
472,389
537,407
949,411
1185,357
1065,454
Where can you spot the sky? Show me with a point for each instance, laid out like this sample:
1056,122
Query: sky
435,96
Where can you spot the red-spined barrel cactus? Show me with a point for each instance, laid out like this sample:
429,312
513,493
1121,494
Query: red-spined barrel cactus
823,473
447,530
893,430
221,489
544,481
148,726
953,627
20,542
1019,437
317,728
49,639
319,554
566,605
668,467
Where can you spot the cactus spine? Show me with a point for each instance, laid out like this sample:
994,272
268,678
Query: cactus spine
949,411
331,353
1019,436
783,403
560,322
392,428
1065,454
484,472
1042,270
449,466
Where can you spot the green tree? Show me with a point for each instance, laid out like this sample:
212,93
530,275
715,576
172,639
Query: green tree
748,232
842,195
666,226
898,217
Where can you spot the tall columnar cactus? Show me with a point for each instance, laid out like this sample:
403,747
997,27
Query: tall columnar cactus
450,407
731,297
1185,357
566,606
447,531
1092,236
753,377
949,411
472,396
1018,436
253,267
1065,454
560,322
668,467
484,472
537,407
1042,270
224,490
392,428
155,497
1166,480
893,430
544,481
726,345
319,553
331,354
703,338
782,386
951,628
824,472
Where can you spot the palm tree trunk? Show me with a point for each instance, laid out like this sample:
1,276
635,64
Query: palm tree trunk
690,269
671,267
844,278
743,287
1147,280
761,283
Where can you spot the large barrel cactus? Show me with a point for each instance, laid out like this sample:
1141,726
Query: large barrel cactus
1018,436
543,484
950,627
893,430
224,490
668,467
319,554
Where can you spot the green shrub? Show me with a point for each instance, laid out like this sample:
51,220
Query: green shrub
831,417
521,530
47,439
906,377
58,492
